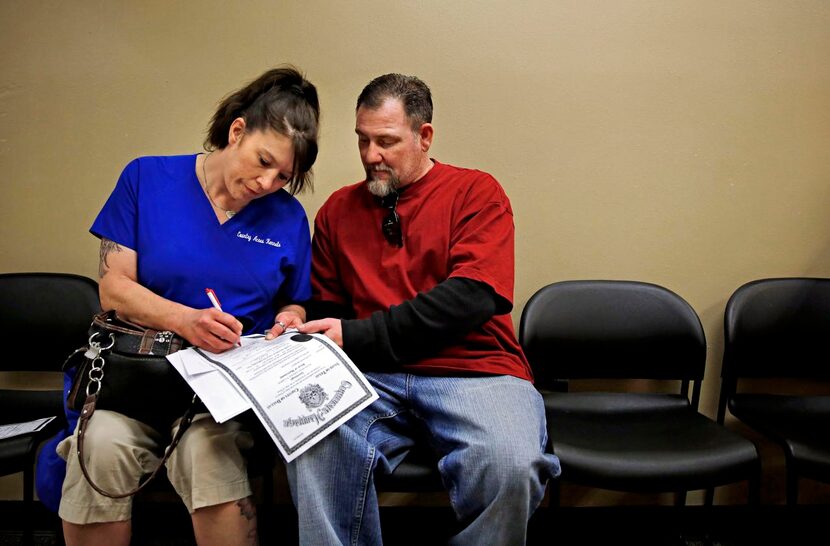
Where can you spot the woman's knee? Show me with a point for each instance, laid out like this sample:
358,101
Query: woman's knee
112,440
207,438
208,457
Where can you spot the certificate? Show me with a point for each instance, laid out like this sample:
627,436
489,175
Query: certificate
301,386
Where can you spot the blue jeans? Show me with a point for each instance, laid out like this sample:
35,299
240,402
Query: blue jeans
489,433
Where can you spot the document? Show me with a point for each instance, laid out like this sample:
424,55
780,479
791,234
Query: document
218,393
19,429
301,386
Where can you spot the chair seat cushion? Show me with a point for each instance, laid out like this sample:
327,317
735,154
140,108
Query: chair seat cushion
810,411
17,453
643,442
799,424
603,403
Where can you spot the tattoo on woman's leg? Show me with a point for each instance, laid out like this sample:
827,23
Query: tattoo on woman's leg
247,508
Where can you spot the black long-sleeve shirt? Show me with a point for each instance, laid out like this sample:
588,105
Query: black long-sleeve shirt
417,327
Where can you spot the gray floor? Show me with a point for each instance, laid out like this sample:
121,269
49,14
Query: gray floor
160,524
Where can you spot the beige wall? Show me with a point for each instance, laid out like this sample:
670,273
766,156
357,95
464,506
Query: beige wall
678,142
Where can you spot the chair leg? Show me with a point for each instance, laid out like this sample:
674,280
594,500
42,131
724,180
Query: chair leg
680,498
28,504
754,490
268,488
265,510
551,523
792,485
555,494
709,497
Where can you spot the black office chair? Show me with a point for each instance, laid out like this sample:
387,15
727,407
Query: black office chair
629,441
43,318
779,329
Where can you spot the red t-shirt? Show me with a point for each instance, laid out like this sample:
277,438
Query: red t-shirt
455,223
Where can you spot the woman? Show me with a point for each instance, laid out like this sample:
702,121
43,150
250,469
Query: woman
172,227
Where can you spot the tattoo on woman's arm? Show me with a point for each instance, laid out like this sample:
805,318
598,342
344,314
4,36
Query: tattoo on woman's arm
107,246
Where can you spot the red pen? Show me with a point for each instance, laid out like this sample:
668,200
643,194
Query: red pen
214,299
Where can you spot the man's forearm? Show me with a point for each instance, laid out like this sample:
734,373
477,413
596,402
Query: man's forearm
420,326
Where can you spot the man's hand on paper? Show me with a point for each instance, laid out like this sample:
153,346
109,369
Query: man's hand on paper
330,327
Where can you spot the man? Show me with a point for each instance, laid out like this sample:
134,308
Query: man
418,261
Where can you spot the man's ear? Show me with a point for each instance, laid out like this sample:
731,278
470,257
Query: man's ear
426,133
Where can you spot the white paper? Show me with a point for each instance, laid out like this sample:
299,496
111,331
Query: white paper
19,429
219,395
302,387
196,366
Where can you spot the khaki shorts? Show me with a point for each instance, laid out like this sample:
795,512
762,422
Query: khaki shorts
206,468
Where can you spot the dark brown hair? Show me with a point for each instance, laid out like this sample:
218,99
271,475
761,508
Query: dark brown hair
280,99
411,91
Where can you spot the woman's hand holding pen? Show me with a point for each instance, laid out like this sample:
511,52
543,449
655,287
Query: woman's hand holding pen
210,329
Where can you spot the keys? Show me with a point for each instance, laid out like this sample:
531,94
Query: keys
93,352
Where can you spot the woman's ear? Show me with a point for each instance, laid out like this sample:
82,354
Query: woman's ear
236,131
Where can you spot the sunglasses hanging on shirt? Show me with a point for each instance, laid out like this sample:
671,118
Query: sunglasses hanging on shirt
391,223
